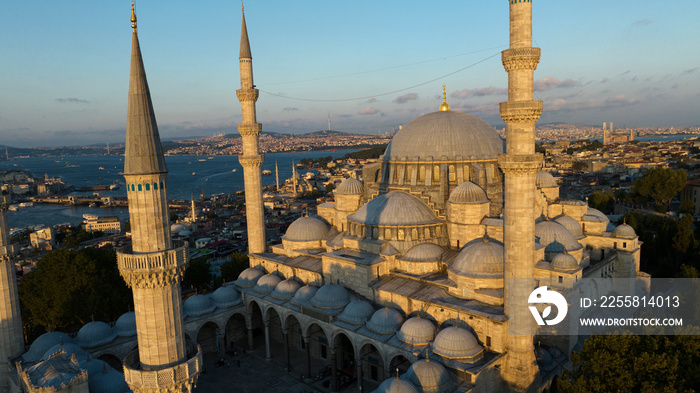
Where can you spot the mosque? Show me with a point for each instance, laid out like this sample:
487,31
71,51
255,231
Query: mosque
414,280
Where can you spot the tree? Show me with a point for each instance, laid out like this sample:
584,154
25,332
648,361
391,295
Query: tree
660,184
231,269
330,187
198,274
579,166
687,206
603,201
69,288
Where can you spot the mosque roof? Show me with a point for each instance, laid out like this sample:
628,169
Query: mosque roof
285,289
43,343
69,349
624,231
429,376
249,277
306,229
126,324
198,305
416,331
95,333
395,208
225,296
455,343
571,225
350,186
544,179
396,385
555,237
424,252
267,283
480,258
108,380
304,294
331,296
564,261
356,312
385,321
468,192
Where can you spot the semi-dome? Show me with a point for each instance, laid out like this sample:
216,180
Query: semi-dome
481,258
445,133
350,186
456,343
395,208
468,192
555,237
306,229
69,349
624,231
424,252
571,225
544,179
95,333
108,380
285,289
43,343
416,331
356,312
596,215
225,296
198,305
385,321
303,294
430,377
331,296
564,261
249,277
267,283
396,385
126,325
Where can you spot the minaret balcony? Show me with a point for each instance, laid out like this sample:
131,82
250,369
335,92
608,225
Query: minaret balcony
247,95
180,377
520,59
250,129
153,269
520,112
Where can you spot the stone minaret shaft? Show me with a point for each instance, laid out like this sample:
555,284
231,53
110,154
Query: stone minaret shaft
11,336
152,267
520,163
250,158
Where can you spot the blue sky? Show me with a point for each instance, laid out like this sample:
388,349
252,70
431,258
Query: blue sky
369,64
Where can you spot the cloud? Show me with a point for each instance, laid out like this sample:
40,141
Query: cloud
690,71
371,100
604,80
564,105
548,83
368,111
480,92
620,100
345,115
642,22
406,97
72,100
626,72
290,109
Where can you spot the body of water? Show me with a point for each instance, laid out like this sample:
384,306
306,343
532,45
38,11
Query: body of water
187,176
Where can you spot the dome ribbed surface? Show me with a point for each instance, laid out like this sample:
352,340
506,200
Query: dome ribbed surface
395,208
331,296
126,325
197,305
480,259
304,294
350,186
424,252
448,133
455,343
430,377
555,237
285,289
416,331
357,312
43,343
267,283
395,385
249,277
306,229
596,215
564,261
571,225
544,179
226,296
468,192
624,231
95,333
385,321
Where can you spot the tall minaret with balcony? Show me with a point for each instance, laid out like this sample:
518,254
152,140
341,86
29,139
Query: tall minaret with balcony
520,163
152,267
250,158
11,336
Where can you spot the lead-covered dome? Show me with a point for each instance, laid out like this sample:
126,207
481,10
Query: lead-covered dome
350,186
108,380
395,208
544,179
555,237
564,261
95,333
430,377
267,283
303,294
456,343
445,133
571,225
396,385
357,312
468,192
126,324
385,321
43,343
306,229
249,277
69,349
331,296
481,258
624,231
197,305
424,252
416,331
285,289
225,297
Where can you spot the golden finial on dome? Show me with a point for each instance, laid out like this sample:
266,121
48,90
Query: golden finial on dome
444,107
133,17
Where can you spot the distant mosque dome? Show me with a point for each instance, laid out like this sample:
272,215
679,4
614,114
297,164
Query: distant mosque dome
480,258
564,261
285,289
396,385
249,277
385,321
331,296
267,283
624,231
306,229
416,331
395,208
43,343
350,186
95,333
544,179
356,312
225,297
468,192
126,325
197,305
555,237
430,377
177,228
303,295
457,343
571,225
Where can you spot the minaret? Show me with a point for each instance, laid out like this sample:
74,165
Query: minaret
294,178
520,163
250,158
152,267
194,213
11,336
277,176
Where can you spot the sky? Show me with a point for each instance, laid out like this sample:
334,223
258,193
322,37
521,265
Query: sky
369,65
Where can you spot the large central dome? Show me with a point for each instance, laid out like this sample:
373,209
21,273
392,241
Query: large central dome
445,133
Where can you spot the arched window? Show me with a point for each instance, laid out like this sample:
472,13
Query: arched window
139,188
436,173
387,234
414,234
439,231
132,187
148,186
401,234
453,174
375,233
155,186
161,185
421,173
427,233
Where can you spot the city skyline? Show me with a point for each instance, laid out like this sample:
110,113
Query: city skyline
368,66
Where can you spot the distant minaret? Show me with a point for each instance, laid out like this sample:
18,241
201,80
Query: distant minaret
520,163
294,178
107,148
7,155
329,121
151,266
277,176
194,213
605,134
11,336
250,158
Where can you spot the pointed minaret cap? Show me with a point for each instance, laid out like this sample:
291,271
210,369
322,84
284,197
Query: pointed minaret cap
143,153
245,45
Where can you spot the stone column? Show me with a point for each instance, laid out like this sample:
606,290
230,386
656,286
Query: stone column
307,345
334,371
285,332
249,326
267,340
358,371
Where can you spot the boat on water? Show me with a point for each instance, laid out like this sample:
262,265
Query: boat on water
202,159
267,172
101,168
92,204
13,208
114,186
234,170
194,173
26,204
89,217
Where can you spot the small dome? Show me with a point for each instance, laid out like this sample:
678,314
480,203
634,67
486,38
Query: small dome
396,385
126,325
544,179
468,192
177,228
480,258
198,305
43,343
395,208
225,297
624,231
456,343
564,261
93,366
185,233
601,217
571,225
350,186
331,296
417,331
357,312
94,334
249,277
424,252
267,283
108,380
430,377
285,289
304,294
385,321
69,348
555,237
306,229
